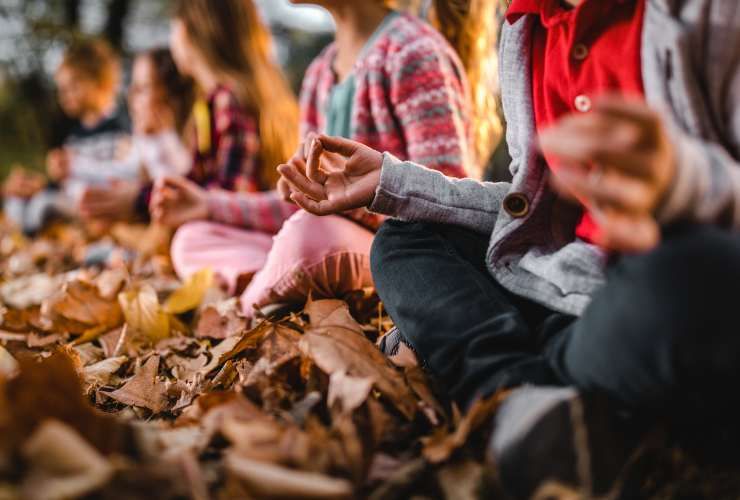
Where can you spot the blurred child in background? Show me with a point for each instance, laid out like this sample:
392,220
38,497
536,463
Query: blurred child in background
389,80
87,83
249,126
249,120
160,101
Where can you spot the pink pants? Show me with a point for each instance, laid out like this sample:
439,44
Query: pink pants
325,256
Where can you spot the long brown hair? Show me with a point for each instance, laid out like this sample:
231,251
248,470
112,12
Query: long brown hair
238,48
472,28
178,88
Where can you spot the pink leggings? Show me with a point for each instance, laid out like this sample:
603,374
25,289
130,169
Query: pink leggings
327,256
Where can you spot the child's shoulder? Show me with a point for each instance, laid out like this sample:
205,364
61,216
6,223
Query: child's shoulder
409,31
410,38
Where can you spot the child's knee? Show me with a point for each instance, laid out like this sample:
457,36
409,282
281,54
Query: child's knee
186,238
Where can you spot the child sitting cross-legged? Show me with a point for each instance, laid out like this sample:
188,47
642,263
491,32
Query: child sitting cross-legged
160,100
87,84
389,80
618,310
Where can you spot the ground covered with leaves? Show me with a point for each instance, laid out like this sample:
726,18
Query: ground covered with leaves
118,381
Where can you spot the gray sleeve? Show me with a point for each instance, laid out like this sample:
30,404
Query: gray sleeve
706,188
414,193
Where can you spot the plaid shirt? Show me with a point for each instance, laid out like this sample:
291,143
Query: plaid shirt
411,100
231,159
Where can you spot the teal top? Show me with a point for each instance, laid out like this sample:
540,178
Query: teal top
342,97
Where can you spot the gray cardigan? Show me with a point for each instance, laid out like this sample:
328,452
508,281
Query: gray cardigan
691,70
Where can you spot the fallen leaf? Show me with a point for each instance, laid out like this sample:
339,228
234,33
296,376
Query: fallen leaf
143,389
440,446
110,282
190,295
220,320
339,346
79,308
28,291
8,364
462,481
277,481
51,389
143,313
63,464
349,392
99,374
324,313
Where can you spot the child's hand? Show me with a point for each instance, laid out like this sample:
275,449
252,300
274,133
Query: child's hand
57,164
350,182
176,200
114,202
299,162
23,183
620,161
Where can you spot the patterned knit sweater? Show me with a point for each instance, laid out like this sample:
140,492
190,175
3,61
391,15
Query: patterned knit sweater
411,100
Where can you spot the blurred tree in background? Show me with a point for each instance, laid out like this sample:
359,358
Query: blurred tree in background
33,34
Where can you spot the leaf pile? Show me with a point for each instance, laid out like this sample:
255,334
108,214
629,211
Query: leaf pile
120,382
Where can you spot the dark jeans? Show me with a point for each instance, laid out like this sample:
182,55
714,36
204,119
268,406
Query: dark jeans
661,336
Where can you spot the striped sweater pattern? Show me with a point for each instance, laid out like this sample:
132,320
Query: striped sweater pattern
411,100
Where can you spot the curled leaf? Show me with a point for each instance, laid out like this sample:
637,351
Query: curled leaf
190,295
143,313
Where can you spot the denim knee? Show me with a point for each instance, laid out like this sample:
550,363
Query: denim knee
390,237
695,276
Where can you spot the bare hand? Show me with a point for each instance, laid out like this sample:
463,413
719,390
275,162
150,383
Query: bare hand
58,164
618,161
23,183
299,162
340,175
177,200
114,202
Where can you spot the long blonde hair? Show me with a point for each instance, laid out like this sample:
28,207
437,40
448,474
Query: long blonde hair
472,28
237,46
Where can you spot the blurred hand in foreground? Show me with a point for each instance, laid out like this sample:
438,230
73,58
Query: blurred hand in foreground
619,161
340,175
177,200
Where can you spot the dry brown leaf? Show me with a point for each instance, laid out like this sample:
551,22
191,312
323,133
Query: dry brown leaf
349,392
29,291
440,446
220,320
79,308
63,464
277,481
461,481
322,313
8,365
144,389
110,282
51,389
190,295
100,373
339,346
143,313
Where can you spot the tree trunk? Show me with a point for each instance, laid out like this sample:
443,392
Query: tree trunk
117,12
72,13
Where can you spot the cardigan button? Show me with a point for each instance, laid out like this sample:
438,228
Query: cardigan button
580,52
583,103
516,205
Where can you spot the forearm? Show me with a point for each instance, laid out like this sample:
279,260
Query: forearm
412,192
263,211
706,186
